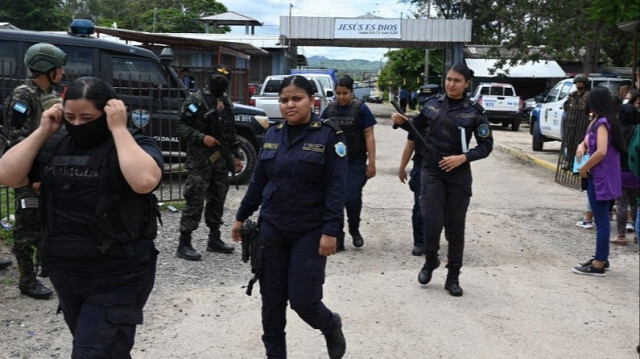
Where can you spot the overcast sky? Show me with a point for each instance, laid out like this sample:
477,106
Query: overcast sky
268,12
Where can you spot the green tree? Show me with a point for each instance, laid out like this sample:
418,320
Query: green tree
405,67
34,14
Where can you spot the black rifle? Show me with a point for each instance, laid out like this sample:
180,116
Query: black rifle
224,146
435,153
252,247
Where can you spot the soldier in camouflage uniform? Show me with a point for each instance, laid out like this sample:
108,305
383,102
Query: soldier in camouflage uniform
23,109
577,117
207,126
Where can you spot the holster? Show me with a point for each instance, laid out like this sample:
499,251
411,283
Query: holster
252,249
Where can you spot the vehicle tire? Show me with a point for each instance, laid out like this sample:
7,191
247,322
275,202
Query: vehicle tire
515,125
505,123
536,138
249,158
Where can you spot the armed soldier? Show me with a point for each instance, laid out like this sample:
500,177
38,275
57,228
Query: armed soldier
577,117
207,127
23,110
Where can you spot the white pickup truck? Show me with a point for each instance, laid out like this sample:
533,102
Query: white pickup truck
268,99
500,103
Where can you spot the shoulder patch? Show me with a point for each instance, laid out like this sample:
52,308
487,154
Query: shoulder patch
20,107
483,131
332,124
341,149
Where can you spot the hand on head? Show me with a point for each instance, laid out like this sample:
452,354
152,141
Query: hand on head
52,118
116,113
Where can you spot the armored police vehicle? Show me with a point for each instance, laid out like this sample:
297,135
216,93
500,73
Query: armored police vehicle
147,84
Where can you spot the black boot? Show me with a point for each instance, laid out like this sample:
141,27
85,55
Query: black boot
430,264
4,263
452,284
185,250
336,344
216,244
358,241
28,283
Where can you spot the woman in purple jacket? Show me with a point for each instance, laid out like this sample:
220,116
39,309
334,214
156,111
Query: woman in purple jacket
604,142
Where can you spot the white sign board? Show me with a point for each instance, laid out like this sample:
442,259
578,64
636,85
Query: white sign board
367,29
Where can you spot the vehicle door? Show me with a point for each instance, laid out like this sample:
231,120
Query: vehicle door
151,95
551,108
557,110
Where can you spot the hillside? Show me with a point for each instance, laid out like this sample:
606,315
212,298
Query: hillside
357,68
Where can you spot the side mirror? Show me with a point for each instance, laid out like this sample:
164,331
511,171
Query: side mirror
330,93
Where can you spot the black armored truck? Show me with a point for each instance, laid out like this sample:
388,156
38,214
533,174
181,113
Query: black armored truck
149,86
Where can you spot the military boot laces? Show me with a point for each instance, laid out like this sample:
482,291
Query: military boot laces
430,264
452,284
35,289
216,244
185,250
336,344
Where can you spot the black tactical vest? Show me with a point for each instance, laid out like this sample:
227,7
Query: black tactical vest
89,210
349,122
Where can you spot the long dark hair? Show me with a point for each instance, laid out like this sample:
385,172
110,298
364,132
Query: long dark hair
92,89
601,103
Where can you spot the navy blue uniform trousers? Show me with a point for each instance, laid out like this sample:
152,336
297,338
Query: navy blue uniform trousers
444,201
294,271
102,312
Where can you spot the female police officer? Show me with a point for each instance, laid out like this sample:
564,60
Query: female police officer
446,123
357,121
299,183
98,211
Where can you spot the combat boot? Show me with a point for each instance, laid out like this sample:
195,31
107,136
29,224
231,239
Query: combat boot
216,244
29,284
430,264
4,263
185,250
358,241
452,284
336,344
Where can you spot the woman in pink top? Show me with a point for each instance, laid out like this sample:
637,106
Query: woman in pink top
604,142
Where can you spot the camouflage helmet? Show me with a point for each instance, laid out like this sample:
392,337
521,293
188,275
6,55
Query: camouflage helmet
43,57
580,78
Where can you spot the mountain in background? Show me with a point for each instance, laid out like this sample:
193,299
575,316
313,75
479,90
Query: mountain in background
357,69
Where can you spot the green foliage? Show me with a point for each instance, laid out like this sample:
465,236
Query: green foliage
37,15
406,68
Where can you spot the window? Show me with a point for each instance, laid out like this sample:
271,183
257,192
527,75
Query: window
553,94
564,91
137,73
508,91
8,58
79,61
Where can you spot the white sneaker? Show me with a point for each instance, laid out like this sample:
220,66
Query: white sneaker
585,224
630,227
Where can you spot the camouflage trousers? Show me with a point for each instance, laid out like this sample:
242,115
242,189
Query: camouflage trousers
27,230
206,188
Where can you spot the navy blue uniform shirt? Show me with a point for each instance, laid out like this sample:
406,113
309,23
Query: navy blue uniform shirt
300,184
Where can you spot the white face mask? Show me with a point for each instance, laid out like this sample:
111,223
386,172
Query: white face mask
625,101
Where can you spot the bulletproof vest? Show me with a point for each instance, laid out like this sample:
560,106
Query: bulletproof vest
89,210
349,122
213,120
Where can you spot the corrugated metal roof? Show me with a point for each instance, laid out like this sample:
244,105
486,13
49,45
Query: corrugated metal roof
541,69
418,33
231,18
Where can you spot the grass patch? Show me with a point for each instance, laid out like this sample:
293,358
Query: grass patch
9,281
178,205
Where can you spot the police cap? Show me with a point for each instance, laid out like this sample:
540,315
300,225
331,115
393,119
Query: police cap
43,57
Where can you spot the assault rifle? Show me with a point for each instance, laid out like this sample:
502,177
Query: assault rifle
433,151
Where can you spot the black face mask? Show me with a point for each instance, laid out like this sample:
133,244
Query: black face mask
218,85
89,134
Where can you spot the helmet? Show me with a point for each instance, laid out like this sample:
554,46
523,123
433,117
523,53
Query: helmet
43,57
581,78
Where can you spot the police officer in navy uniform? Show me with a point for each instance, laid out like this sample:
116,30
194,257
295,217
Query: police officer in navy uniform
23,110
447,124
99,213
299,185
357,121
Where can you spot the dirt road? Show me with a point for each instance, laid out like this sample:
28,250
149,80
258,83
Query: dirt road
521,299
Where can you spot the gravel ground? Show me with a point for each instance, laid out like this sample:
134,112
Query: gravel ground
521,299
